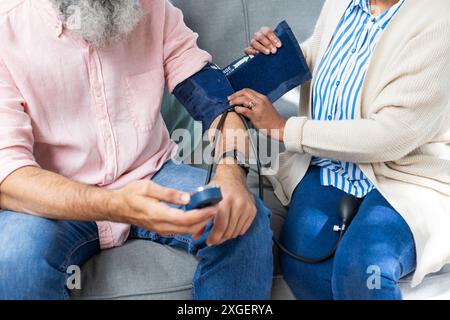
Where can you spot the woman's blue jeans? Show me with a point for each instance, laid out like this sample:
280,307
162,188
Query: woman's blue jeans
35,253
376,251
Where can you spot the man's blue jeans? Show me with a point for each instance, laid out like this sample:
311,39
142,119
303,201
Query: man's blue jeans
35,252
377,250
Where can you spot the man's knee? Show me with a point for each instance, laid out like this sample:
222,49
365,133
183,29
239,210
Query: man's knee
26,268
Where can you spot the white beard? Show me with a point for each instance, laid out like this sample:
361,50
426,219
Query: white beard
99,22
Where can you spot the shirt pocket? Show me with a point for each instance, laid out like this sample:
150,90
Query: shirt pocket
144,97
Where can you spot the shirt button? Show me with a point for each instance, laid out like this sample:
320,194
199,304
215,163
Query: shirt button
330,118
353,50
374,20
338,83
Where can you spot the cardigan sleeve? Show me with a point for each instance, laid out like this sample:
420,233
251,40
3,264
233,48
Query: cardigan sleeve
411,108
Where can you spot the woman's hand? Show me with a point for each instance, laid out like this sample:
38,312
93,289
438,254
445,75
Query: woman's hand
264,41
253,105
260,111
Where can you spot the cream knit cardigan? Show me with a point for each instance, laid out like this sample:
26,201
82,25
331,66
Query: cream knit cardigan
401,139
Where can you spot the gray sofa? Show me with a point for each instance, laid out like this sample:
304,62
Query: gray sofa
145,270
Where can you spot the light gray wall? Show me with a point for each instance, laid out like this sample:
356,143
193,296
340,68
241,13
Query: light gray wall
227,26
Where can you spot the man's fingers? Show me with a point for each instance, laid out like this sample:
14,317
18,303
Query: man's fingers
232,222
159,213
161,193
190,218
167,220
271,36
248,223
220,225
196,230
168,229
197,235
243,221
243,218
240,225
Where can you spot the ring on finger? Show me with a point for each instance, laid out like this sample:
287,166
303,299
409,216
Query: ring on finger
251,104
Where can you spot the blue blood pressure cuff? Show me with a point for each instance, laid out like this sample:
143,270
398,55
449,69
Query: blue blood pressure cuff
272,75
205,94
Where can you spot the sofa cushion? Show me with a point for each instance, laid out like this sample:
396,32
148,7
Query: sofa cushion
145,270
139,270
436,286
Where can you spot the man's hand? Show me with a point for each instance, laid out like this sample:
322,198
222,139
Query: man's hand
237,210
46,194
139,204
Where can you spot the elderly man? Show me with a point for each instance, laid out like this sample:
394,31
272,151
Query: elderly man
82,140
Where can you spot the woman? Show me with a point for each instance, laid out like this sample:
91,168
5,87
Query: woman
374,123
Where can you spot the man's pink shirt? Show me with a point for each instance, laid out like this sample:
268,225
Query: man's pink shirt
91,115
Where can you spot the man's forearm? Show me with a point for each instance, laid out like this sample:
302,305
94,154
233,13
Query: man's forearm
234,136
42,193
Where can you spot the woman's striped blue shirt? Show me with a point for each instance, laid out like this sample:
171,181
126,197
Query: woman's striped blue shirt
338,84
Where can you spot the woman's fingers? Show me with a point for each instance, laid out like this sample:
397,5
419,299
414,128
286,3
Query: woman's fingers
243,101
251,94
249,103
256,45
250,51
255,95
271,36
246,112
264,41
